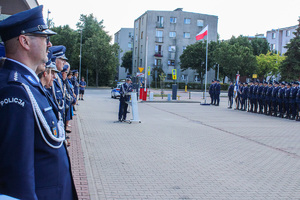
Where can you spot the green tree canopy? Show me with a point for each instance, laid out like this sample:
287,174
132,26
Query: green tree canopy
268,64
260,46
194,57
127,61
290,68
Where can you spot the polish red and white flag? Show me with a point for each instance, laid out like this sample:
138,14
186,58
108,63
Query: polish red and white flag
203,33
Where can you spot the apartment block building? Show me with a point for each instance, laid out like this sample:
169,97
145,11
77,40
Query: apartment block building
168,33
124,38
279,38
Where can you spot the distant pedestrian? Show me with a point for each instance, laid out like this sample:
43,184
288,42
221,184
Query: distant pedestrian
82,85
125,89
212,91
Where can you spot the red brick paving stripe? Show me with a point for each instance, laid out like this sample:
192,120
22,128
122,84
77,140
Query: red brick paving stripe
77,162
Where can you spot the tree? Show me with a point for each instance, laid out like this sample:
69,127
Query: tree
290,68
234,57
194,57
260,46
71,40
268,64
127,61
98,55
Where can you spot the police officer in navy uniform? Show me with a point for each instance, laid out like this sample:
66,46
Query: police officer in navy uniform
260,97
245,96
298,102
280,99
240,97
269,98
230,94
255,95
125,89
287,100
264,93
250,96
274,98
75,83
217,93
212,91
293,94
34,162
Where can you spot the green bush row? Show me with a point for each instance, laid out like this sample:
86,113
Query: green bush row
190,86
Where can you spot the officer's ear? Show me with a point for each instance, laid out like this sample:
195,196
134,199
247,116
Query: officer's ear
24,41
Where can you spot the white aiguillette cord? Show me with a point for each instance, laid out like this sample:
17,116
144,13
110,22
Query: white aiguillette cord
40,117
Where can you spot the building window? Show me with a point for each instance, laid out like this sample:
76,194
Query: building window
169,77
172,34
186,35
129,45
173,20
159,36
158,50
160,22
157,62
141,48
184,77
142,34
172,48
141,62
288,33
187,20
273,47
200,22
273,35
135,50
171,62
130,35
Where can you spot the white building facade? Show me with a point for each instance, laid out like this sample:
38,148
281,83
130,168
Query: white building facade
279,38
169,33
124,38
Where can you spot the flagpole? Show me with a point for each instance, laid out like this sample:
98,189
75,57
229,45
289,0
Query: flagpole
206,64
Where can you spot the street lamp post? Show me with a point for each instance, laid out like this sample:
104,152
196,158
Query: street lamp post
80,54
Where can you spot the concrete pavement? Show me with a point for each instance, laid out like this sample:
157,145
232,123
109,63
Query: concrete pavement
187,151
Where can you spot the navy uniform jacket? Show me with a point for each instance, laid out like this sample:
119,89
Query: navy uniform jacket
124,90
245,92
251,88
298,96
275,93
260,92
287,95
264,92
58,94
280,94
293,94
217,88
30,169
211,89
230,90
255,88
75,84
269,93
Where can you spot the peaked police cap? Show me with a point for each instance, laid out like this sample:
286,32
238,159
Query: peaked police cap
29,21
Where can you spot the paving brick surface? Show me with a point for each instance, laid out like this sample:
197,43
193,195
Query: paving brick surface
187,151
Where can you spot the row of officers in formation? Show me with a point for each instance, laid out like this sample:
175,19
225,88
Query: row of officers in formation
279,99
37,95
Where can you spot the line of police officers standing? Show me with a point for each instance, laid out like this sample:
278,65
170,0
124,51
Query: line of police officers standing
279,99
36,99
214,92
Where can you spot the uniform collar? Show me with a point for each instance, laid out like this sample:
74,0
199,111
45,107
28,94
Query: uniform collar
28,69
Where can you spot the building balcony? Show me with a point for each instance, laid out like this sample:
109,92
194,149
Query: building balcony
159,39
158,65
158,54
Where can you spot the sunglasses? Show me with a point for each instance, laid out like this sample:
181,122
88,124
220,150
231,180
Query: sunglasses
43,36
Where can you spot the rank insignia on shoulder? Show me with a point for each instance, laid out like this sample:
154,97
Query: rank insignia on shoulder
31,79
54,130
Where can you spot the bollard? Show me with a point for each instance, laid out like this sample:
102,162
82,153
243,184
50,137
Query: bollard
134,107
190,95
151,96
169,97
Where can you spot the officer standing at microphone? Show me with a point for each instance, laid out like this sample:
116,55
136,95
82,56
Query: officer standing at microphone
125,89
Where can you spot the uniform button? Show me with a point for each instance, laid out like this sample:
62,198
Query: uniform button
53,123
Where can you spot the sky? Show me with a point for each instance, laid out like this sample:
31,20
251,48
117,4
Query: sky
235,17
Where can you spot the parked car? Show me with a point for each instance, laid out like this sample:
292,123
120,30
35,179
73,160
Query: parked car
115,92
